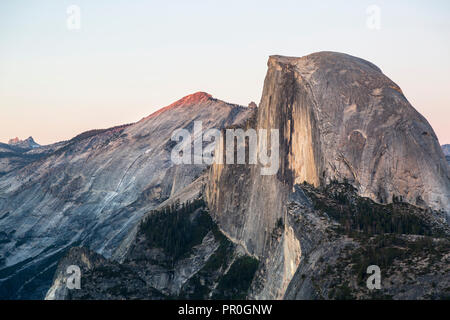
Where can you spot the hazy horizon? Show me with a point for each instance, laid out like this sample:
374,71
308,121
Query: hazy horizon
131,58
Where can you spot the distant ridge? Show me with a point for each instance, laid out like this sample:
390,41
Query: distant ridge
28,143
197,98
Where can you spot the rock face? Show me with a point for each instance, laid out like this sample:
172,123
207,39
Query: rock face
339,241
352,122
93,189
446,149
162,262
339,118
83,258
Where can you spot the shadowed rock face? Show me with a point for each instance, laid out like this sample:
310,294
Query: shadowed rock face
446,149
340,118
93,189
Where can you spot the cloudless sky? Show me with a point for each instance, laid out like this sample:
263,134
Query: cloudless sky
131,58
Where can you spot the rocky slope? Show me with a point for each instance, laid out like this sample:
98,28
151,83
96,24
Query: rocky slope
93,189
341,234
177,252
446,149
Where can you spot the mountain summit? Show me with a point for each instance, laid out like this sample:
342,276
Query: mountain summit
28,143
446,149
194,99
198,97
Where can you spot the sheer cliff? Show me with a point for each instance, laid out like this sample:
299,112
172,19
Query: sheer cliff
339,118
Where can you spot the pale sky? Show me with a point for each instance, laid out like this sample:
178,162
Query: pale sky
130,58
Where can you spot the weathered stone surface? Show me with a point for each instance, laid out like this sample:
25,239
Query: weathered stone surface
28,143
414,260
339,117
363,129
93,189
153,267
446,149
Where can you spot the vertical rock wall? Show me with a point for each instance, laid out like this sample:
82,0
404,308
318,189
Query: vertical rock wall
339,118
